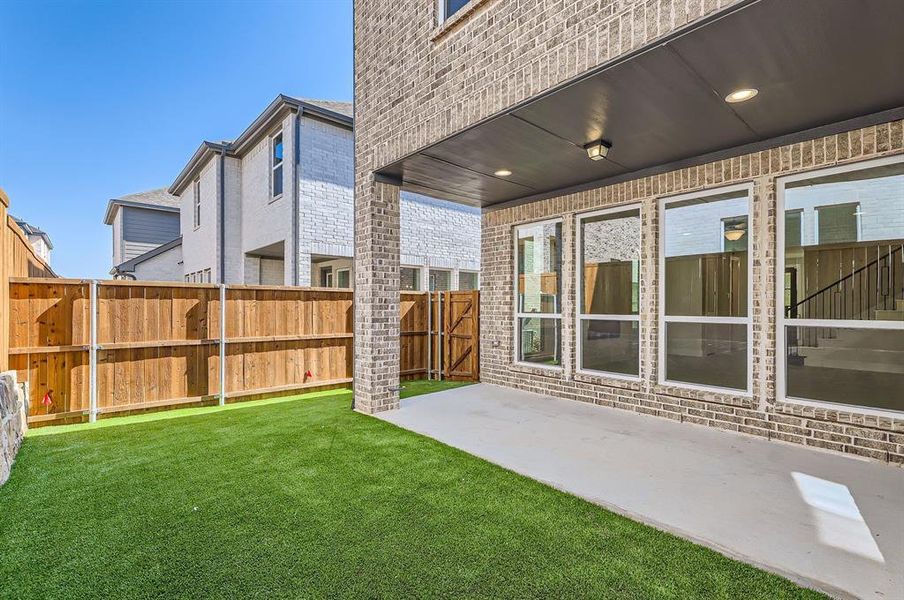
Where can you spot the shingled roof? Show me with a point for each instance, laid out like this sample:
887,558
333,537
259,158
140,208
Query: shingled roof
157,198
343,108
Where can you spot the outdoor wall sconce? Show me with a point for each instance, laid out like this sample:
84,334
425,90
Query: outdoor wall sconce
598,150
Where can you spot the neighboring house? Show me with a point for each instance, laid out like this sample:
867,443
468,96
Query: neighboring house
691,209
38,239
141,222
163,263
275,207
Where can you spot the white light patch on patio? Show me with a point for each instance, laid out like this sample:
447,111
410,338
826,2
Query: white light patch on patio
825,520
838,520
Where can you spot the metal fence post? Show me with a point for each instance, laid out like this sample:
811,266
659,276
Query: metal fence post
429,335
222,344
441,336
92,356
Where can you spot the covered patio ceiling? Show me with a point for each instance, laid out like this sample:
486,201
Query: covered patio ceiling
820,66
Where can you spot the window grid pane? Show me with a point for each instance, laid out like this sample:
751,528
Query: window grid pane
540,341
610,263
705,262
539,268
610,346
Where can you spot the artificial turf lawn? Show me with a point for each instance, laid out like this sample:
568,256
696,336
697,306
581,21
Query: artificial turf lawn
307,498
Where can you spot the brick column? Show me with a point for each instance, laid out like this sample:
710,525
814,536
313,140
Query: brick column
376,297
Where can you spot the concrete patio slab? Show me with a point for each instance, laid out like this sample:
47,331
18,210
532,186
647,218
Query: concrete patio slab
828,521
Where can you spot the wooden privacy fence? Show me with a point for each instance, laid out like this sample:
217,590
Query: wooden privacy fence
152,345
17,259
440,335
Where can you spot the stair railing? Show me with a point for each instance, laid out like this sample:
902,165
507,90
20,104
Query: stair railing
856,296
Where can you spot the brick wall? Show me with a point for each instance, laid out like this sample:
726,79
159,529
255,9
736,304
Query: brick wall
416,83
433,232
877,437
432,82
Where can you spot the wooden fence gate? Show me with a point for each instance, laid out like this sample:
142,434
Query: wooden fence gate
440,335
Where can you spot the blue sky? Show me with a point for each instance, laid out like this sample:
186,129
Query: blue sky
102,99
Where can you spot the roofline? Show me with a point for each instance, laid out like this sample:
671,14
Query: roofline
204,152
129,265
30,230
257,129
116,202
47,241
266,118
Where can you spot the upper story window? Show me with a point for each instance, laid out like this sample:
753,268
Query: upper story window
196,203
276,165
705,265
841,280
538,305
447,8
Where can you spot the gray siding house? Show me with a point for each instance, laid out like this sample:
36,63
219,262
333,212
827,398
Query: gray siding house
141,222
275,206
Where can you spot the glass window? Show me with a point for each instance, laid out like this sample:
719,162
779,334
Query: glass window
843,310
196,199
467,280
450,7
276,164
409,279
713,354
539,289
609,297
837,224
539,341
793,228
440,281
343,278
706,263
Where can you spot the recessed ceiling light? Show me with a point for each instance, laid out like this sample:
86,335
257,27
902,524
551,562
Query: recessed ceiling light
502,173
741,95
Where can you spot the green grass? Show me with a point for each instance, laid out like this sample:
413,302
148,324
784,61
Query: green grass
305,498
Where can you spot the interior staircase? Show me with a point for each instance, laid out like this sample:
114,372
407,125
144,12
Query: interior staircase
873,292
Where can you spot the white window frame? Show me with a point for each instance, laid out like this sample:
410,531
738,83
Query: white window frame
518,315
781,384
274,165
579,291
196,203
748,320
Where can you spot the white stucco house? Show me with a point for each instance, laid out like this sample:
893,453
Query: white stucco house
38,239
275,206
